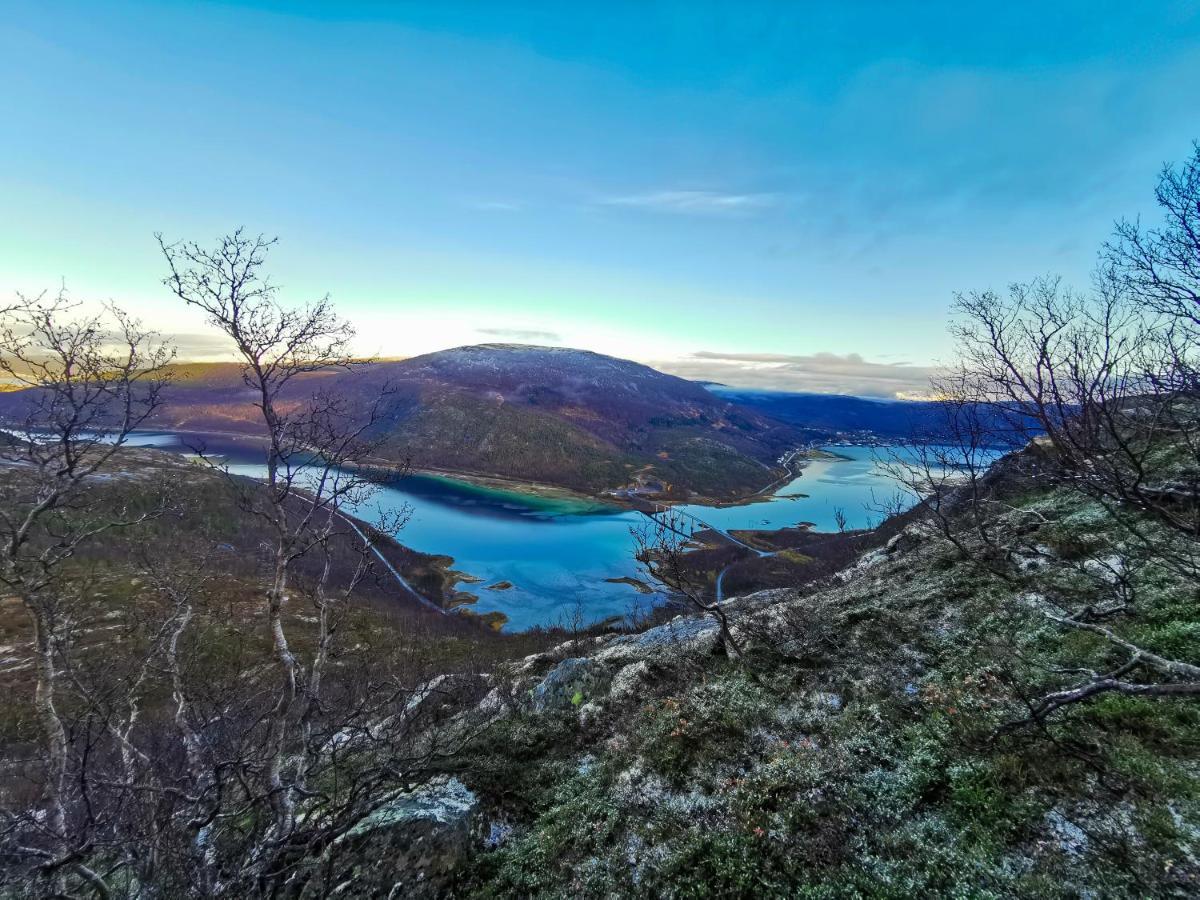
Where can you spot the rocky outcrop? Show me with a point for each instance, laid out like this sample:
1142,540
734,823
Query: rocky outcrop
628,680
681,637
569,684
615,665
413,844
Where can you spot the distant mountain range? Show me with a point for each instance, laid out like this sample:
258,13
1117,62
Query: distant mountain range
840,416
838,413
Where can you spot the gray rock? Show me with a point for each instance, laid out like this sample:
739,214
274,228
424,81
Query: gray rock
586,764
680,637
569,684
826,699
903,542
871,559
413,844
535,664
497,835
591,715
493,704
625,683
1069,837
1109,569
575,646
444,801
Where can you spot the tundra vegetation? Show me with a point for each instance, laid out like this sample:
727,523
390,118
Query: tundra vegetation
996,698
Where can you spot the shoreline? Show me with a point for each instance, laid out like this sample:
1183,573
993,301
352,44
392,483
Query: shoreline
619,498
496,482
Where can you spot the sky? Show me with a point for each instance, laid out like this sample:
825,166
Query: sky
780,196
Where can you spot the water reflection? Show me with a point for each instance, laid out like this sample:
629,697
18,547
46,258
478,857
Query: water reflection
558,552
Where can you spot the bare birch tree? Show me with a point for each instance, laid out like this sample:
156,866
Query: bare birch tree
176,762
277,345
314,447
88,381
1100,388
662,547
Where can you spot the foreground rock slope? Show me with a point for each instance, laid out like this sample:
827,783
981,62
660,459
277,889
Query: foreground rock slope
872,738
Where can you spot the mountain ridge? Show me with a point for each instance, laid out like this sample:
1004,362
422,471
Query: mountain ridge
572,418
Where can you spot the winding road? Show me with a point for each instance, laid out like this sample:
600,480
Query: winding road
666,521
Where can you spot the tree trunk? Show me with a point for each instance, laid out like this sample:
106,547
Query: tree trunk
282,803
47,716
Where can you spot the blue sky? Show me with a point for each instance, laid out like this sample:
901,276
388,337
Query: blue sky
774,195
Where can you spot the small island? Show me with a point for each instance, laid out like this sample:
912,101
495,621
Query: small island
636,583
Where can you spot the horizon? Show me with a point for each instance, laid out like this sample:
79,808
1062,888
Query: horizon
778,199
182,361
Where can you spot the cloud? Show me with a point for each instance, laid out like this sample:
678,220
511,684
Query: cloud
522,334
693,202
821,373
494,205
202,347
187,347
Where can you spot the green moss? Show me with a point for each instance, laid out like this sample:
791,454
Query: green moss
1151,772
986,798
708,722
796,557
723,863
1161,725
522,758
551,859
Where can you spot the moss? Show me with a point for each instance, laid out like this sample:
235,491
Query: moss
708,722
1174,639
723,863
795,557
988,803
1164,726
519,760
551,859
1151,772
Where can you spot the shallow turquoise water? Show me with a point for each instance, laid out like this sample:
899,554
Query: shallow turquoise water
558,552
857,485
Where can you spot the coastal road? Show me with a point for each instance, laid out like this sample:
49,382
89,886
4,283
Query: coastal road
706,526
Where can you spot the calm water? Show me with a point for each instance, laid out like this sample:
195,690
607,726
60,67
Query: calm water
558,552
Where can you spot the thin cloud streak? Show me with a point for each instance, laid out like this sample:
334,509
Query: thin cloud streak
820,373
195,347
494,205
522,334
693,202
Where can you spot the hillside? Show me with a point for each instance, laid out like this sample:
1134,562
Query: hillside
837,412
875,735
573,418
210,520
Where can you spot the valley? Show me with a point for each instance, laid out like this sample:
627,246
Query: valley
533,467
567,556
